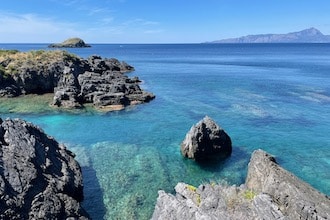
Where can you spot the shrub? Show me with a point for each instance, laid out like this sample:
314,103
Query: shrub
249,194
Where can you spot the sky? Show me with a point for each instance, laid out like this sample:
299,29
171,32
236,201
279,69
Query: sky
156,21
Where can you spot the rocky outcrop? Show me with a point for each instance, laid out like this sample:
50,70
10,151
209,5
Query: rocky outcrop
102,82
39,178
74,81
206,140
71,42
296,199
270,192
8,87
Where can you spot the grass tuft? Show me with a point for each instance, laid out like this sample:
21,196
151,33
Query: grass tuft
12,60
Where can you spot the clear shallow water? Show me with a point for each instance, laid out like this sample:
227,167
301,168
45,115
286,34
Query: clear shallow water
274,97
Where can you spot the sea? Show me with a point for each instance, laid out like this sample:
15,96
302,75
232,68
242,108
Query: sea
274,97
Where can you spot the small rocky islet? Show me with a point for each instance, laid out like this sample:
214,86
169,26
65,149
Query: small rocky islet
74,81
74,42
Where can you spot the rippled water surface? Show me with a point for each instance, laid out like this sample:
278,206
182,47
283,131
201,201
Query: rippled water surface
274,96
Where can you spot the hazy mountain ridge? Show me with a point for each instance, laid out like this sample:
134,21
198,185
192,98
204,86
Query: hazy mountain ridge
311,35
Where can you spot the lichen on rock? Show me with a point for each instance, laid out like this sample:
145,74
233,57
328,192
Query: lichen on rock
270,192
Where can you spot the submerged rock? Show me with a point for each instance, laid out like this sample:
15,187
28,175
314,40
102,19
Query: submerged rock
206,140
270,192
39,178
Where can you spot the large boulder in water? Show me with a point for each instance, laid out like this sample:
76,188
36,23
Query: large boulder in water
206,140
39,178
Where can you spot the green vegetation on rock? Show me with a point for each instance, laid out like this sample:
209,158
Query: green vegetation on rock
71,42
12,60
249,194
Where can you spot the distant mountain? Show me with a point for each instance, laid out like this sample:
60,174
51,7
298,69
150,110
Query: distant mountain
311,35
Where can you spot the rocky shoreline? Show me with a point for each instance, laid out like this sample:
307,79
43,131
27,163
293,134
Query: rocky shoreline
74,81
39,179
270,192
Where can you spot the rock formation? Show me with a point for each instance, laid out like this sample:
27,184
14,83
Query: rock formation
206,140
39,178
71,42
74,81
270,192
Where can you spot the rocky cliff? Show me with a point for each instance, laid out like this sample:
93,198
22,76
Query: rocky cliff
270,192
39,178
75,81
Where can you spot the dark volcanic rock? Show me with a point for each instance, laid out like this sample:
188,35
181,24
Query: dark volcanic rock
102,82
206,140
74,81
39,178
270,192
71,42
8,87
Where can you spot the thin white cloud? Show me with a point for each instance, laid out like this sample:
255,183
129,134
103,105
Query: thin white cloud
140,22
27,28
156,31
95,11
34,28
151,23
106,20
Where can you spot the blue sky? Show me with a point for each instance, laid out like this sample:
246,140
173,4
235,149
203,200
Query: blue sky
155,21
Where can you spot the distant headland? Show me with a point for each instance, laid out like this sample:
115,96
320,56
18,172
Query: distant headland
71,43
311,35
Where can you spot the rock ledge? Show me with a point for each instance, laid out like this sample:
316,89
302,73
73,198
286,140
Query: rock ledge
270,192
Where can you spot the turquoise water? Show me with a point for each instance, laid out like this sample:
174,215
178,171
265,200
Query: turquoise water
270,96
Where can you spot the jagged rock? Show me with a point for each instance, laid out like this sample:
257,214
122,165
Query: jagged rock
206,140
39,178
270,192
74,81
297,199
8,87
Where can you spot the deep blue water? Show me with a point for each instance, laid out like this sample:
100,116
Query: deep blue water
270,96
